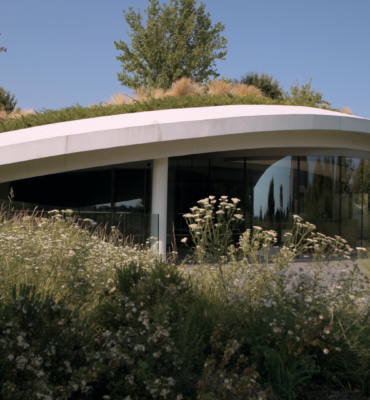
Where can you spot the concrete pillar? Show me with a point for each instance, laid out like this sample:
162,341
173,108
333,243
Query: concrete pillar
159,199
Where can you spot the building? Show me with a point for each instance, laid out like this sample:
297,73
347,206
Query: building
279,160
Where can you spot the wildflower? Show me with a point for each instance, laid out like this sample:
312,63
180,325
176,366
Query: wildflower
360,249
211,197
235,200
290,332
258,228
326,351
238,216
184,240
297,338
224,197
220,212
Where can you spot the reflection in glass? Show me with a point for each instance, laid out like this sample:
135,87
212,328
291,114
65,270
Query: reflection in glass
331,192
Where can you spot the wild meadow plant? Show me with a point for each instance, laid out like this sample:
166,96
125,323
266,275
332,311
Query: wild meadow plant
57,253
300,323
86,315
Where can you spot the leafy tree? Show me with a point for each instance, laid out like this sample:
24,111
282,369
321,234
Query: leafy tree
177,41
265,83
7,101
305,95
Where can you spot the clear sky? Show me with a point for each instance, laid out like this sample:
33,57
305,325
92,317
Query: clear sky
62,52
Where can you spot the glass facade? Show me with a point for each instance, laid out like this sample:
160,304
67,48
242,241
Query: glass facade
118,196
331,192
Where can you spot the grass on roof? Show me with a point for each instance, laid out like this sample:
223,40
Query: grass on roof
76,112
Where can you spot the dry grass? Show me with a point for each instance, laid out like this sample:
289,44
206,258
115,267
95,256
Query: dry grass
185,87
346,110
241,89
219,88
142,94
18,113
118,98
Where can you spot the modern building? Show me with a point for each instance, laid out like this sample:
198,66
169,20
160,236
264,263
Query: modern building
154,166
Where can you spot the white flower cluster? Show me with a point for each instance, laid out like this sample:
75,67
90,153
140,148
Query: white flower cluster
212,226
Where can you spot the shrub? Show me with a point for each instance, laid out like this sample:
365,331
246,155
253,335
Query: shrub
304,94
62,255
7,101
44,348
265,83
311,321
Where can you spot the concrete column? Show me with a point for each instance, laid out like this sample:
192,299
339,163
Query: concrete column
159,199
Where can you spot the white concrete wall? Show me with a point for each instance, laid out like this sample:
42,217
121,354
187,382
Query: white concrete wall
159,199
117,139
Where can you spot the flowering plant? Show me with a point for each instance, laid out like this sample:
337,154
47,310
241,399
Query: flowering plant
212,228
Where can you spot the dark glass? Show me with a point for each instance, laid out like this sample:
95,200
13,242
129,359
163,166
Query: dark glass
95,191
58,190
353,196
318,193
130,190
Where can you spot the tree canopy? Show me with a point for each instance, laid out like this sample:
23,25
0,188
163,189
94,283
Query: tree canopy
177,41
7,101
265,83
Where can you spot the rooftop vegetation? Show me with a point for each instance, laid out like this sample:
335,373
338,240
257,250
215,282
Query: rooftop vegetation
183,94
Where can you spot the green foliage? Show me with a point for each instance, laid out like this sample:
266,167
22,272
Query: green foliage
177,41
287,379
211,229
7,101
305,95
44,348
265,83
90,317
77,112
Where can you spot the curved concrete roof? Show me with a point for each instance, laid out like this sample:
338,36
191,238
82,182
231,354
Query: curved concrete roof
88,143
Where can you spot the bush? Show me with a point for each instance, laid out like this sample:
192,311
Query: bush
265,83
44,348
7,101
309,324
84,315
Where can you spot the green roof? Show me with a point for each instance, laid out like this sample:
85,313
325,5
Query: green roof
45,117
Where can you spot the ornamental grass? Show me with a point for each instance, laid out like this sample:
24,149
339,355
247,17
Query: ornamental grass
86,315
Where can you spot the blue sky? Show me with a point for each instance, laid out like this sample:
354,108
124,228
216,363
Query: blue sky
62,52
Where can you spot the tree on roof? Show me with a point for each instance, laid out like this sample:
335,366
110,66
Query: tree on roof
177,41
265,83
7,101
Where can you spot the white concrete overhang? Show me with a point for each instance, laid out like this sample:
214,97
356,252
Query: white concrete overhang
102,141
